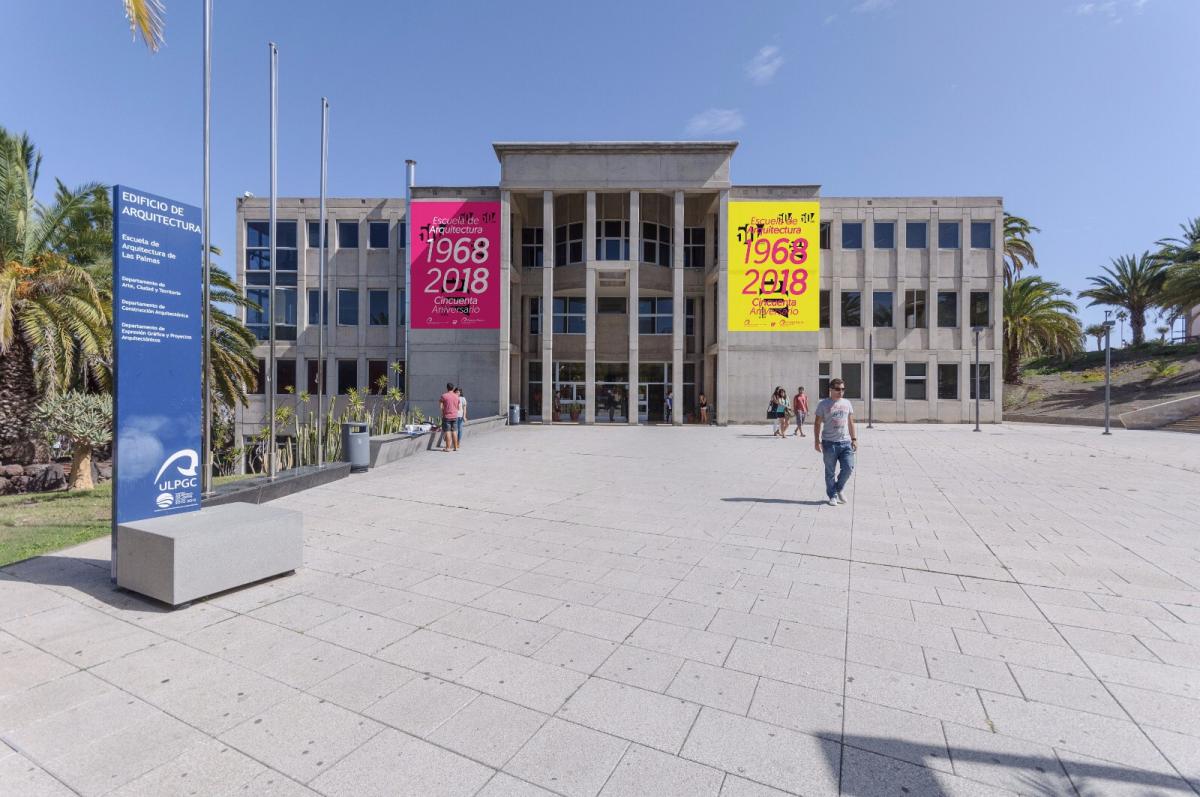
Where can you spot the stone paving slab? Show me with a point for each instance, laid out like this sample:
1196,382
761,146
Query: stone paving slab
653,611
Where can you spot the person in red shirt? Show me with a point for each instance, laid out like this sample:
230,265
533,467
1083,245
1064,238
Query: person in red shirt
449,404
800,407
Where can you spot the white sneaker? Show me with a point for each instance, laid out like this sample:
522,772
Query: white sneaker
841,499
833,502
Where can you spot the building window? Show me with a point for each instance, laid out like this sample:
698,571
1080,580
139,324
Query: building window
377,376
531,247
612,239
914,309
256,317
568,244
885,234
347,307
347,234
981,235
285,313
824,374
402,233
400,309
947,235
851,309
826,227
985,381
947,375
655,316
378,310
882,314
570,315
693,247
258,253
852,374
689,316
312,382
347,376
535,389
611,305
656,243
535,315
914,381
947,308
883,381
377,235
981,306
259,387
314,310
313,230
852,234
823,309
916,235
285,376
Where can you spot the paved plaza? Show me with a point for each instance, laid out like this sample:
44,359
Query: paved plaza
654,611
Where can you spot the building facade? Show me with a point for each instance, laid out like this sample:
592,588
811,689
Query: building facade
613,279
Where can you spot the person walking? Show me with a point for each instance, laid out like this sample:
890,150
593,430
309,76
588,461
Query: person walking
800,408
462,413
669,404
703,409
449,405
836,439
775,410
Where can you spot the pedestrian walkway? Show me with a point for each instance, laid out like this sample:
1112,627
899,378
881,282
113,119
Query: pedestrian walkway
654,611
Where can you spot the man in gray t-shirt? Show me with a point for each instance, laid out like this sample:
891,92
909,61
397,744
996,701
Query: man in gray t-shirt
835,438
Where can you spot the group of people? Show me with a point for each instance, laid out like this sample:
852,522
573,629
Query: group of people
453,405
836,439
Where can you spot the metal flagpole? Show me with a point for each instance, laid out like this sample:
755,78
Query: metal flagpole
870,378
409,179
977,377
206,355
1108,325
271,302
321,294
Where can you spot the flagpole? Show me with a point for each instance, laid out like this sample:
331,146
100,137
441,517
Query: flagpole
321,293
206,355
271,301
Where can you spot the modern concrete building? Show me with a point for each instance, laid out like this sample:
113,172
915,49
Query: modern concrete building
613,273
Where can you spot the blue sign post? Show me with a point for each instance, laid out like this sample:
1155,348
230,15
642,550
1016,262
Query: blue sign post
157,333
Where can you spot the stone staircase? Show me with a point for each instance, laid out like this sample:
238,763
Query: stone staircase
1191,424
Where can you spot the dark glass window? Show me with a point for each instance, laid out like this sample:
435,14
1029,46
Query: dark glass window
535,315
258,250
570,315
656,316
981,306
914,381
693,247
824,374
825,228
885,235
852,235
883,381
947,375
852,374
883,304
531,247
981,235
313,230
568,244
285,313
947,308
347,307
378,301
851,309
256,317
311,382
347,234
285,376
916,235
347,376
610,305
914,309
947,235
612,239
823,310
985,381
314,310
377,376
402,232
377,235
260,379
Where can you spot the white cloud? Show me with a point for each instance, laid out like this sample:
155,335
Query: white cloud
715,121
867,6
764,65
1111,10
829,19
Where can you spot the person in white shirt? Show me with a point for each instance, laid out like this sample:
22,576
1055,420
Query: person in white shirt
835,439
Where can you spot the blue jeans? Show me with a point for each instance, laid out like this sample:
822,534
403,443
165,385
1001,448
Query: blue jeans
835,453
458,427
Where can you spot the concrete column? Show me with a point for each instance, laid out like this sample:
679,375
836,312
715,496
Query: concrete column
868,280
835,283
506,289
589,339
722,397
548,307
677,307
931,384
635,261
364,230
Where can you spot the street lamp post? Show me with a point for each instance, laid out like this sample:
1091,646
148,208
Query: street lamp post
977,331
1108,326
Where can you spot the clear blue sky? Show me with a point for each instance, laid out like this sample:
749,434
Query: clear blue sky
1082,115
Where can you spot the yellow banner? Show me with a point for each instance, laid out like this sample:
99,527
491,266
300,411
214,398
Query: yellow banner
774,252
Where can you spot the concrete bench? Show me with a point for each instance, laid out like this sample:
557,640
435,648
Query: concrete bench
179,558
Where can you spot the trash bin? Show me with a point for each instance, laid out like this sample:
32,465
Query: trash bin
356,445
514,414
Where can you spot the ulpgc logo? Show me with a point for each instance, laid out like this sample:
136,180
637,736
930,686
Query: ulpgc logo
180,487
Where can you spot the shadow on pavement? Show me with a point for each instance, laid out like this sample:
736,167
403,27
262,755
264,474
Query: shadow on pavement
774,501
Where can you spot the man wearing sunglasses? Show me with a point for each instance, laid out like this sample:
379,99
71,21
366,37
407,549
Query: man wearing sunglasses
836,439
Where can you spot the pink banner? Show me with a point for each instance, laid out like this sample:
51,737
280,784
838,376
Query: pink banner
455,265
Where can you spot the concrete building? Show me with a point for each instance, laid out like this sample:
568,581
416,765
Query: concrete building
624,244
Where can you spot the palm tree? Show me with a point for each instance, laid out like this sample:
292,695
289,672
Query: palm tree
1037,322
1181,256
1134,282
1018,249
55,326
146,20
1096,331
234,368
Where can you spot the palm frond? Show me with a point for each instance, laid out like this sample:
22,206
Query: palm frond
146,19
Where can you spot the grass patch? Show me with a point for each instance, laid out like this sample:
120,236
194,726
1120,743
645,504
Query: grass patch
32,524
1095,359
1164,369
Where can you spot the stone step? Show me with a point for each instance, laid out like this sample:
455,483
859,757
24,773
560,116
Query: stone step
1191,424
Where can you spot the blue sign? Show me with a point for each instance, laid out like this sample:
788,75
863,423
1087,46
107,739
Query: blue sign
157,317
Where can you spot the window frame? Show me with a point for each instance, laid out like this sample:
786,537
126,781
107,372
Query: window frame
345,224
313,310
854,385
338,370
279,387
694,250
372,226
887,224
943,226
850,225
387,310
574,307
843,298
603,239
985,382
912,225
890,309
982,225
971,307
942,393
912,379
533,251
662,322
916,303
569,242
889,382
953,304
341,307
